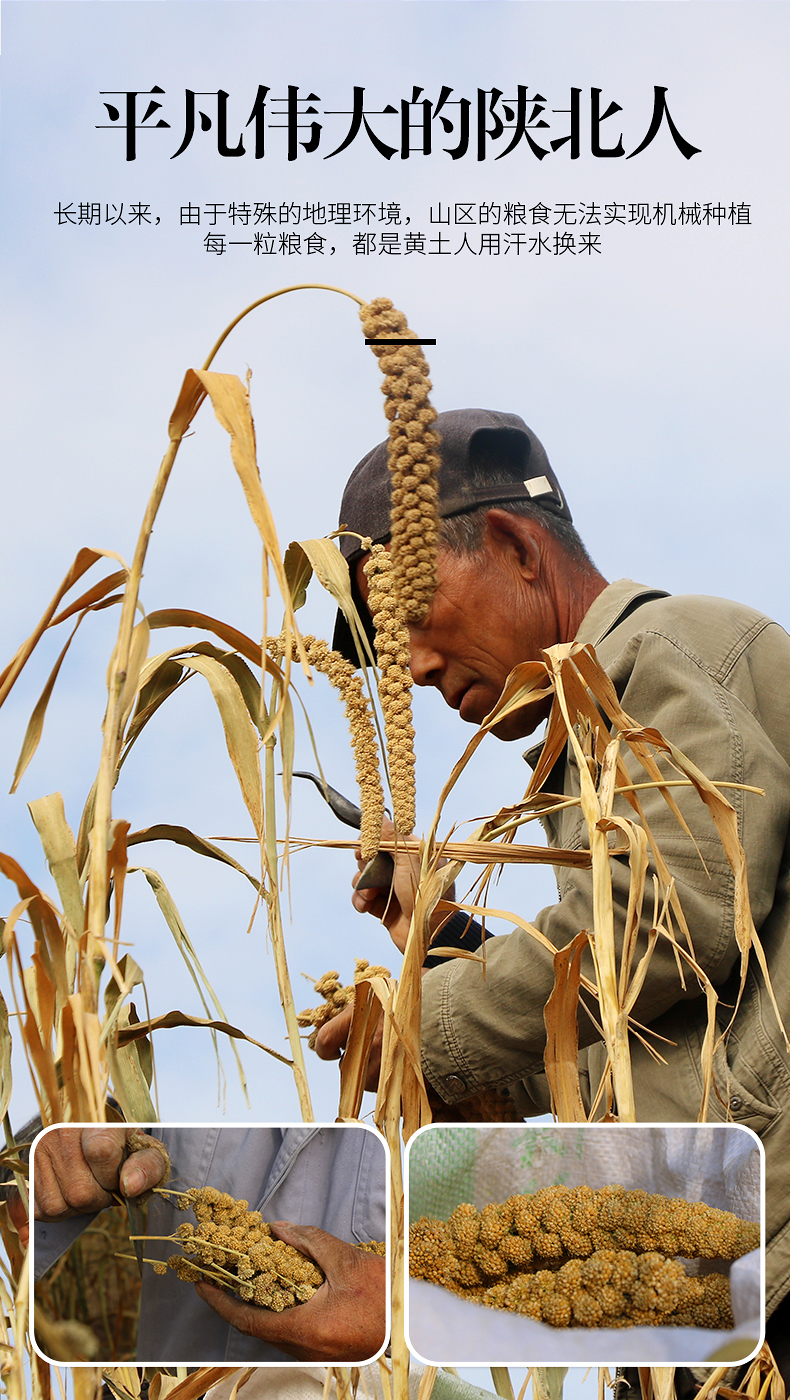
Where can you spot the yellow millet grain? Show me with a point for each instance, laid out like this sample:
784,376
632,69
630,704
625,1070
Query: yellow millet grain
342,675
392,650
646,1290
234,1248
235,1239
336,997
412,457
574,1221
620,1271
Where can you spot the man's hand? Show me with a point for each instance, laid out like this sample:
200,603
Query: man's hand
331,1039
344,1321
76,1169
394,907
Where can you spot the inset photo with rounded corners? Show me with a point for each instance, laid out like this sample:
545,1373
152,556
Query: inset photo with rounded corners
188,1245
584,1244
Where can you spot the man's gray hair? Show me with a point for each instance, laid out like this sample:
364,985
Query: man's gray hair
464,534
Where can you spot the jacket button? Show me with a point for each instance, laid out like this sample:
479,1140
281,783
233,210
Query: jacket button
736,1102
455,1083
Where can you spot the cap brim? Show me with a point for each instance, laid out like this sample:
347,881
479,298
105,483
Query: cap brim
343,637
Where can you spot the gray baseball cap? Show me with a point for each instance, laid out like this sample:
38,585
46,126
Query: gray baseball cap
474,441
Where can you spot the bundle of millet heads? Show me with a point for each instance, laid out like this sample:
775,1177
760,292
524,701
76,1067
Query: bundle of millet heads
412,456
336,996
579,1257
234,1248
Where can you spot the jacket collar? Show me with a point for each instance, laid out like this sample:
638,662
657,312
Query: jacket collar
610,607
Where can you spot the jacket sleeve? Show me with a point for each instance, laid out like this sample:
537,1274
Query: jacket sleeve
480,1030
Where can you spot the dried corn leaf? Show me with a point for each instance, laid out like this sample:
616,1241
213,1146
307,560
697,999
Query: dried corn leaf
562,1034
130,1081
331,570
137,655
182,836
473,852
185,617
5,1059
250,691
95,598
85,559
82,1102
40,996
117,862
527,684
57,839
173,920
511,853
183,942
242,1381
44,918
298,572
240,735
190,397
171,1020
231,404
196,1385
161,681
130,1065
502,1383
372,995
427,1382
36,722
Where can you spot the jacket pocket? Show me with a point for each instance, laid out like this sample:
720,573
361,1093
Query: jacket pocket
738,1095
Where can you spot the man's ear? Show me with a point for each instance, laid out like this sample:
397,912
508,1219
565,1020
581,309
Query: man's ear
517,539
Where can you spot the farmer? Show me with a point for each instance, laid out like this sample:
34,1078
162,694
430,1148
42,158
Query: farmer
713,677
333,1175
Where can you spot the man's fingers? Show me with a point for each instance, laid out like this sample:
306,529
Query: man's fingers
141,1171
332,1036
370,901
103,1150
343,1321
326,1250
63,1181
331,1039
77,1170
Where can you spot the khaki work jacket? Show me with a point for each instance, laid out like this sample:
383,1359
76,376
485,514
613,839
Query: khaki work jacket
714,678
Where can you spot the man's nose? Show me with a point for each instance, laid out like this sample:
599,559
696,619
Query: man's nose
425,663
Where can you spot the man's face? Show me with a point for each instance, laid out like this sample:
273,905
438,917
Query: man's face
484,620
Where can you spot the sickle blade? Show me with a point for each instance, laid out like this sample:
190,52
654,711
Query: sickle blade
378,873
